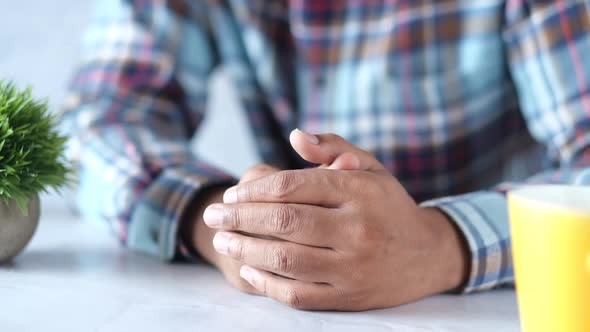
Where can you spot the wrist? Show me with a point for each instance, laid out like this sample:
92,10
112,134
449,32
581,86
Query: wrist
450,256
194,231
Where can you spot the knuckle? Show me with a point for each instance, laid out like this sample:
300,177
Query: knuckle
267,168
284,220
333,137
282,260
259,170
247,194
367,236
366,233
291,297
256,172
284,183
236,248
263,286
234,217
367,184
377,186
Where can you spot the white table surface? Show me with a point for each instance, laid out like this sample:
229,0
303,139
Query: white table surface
75,277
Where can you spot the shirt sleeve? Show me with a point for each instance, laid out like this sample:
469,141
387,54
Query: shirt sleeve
548,49
135,103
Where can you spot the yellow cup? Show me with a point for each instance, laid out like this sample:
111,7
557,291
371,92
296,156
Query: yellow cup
550,228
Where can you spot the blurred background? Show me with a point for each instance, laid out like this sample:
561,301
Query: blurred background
40,46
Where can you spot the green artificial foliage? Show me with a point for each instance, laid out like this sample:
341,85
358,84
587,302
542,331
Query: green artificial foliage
31,149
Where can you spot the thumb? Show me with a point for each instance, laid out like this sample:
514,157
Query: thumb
333,152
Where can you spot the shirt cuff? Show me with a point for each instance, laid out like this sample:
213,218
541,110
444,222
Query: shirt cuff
154,221
483,219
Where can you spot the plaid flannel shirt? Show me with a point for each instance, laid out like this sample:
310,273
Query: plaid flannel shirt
453,97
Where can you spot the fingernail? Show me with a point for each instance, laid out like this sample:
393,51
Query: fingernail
230,196
247,274
221,243
213,216
313,139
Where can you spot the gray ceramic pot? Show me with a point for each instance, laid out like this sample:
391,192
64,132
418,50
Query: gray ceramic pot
16,229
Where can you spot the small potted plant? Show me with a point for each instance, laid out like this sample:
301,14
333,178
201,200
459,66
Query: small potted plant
31,161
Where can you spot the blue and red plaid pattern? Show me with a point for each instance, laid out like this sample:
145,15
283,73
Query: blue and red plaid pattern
453,97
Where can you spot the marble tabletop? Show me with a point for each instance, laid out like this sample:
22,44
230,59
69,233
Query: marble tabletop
75,277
